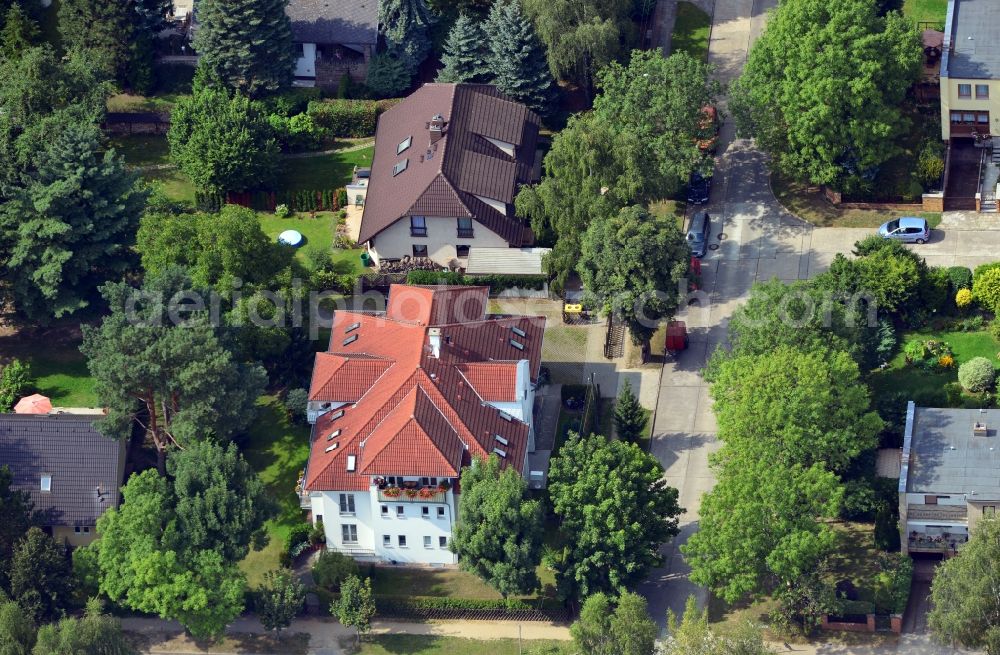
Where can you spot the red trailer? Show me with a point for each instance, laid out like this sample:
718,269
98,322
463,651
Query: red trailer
677,337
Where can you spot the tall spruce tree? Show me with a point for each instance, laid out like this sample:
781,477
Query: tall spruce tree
406,24
19,33
70,229
517,58
465,53
629,417
246,45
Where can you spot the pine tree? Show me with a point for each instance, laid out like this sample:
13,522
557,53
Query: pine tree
517,58
246,44
387,76
19,33
465,53
405,24
629,417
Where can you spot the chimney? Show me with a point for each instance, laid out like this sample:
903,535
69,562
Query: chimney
436,127
979,429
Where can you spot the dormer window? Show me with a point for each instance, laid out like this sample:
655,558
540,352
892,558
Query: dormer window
404,144
46,483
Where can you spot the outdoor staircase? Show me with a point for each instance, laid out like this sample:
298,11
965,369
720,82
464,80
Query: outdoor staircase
614,340
995,155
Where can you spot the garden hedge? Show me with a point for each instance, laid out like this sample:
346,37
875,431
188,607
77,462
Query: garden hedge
349,118
496,283
302,200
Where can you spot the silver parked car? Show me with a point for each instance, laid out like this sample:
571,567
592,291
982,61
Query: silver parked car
907,229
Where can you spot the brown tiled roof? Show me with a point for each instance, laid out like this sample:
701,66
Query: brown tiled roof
442,179
425,415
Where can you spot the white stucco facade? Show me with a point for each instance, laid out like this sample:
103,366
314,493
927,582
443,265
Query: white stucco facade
441,240
404,530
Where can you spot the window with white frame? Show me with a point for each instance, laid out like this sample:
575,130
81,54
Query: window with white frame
443,542
347,503
385,510
440,512
425,512
387,541
349,533
46,483
427,541
402,541
399,510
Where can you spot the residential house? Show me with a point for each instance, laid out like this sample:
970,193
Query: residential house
71,471
331,38
949,476
970,69
448,162
400,403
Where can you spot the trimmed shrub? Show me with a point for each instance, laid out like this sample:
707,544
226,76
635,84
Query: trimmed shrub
995,329
349,118
332,568
959,277
496,283
982,268
385,603
892,583
986,289
963,298
282,211
977,374
930,164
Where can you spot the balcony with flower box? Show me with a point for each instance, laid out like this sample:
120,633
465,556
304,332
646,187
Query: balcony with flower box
413,493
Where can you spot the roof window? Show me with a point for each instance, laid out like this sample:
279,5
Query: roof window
46,483
400,167
519,332
501,453
337,414
404,144
517,344
501,440
352,462
330,449
351,339
352,327
505,416
333,435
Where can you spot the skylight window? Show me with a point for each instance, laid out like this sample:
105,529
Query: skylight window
46,483
330,449
352,462
517,344
404,144
351,339
400,167
519,332
352,327
501,453
337,414
333,435
505,416
501,440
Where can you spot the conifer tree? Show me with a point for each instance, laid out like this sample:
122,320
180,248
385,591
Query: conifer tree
106,30
405,24
246,45
517,58
629,417
465,53
19,33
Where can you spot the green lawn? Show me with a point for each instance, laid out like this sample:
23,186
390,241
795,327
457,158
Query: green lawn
58,369
927,387
318,232
176,185
277,450
447,583
141,149
435,645
691,31
323,172
127,103
930,11
674,209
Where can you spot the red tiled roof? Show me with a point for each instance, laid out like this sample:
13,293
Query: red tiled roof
423,415
493,381
444,178
344,379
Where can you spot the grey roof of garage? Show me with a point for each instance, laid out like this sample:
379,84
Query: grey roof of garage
506,261
86,467
334,21
945,457
973,30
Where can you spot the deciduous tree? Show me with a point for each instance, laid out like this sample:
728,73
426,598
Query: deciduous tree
223,142
635,265
498,535
15,380
516,59
791,96
15,519
615,511
614,626
104,29
176,380
465,52
246,45
40,579
356,606
691,635
95,633
964,608
279,599
19,33
17,629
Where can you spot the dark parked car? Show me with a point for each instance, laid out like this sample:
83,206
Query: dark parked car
698,188
907,229
698,232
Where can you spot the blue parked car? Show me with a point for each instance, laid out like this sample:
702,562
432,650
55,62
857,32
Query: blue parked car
907,229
